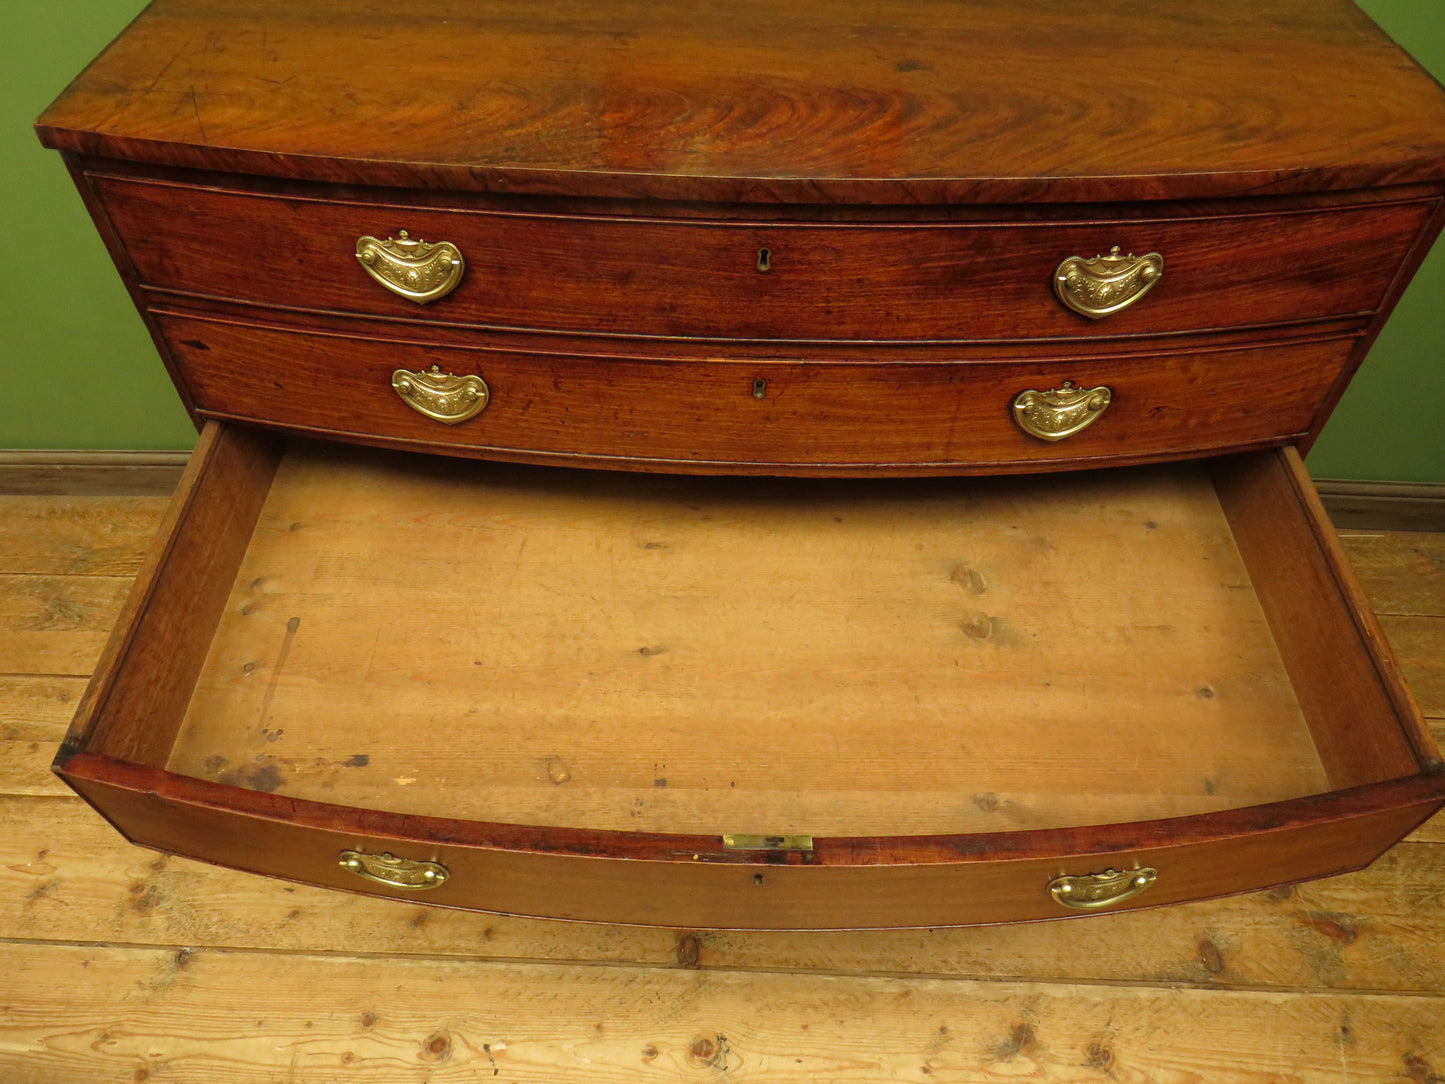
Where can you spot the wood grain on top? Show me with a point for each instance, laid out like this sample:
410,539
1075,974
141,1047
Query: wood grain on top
880,101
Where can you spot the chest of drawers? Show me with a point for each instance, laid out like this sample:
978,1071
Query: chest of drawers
600,508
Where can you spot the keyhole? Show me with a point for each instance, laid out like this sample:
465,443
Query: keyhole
760,388
765,260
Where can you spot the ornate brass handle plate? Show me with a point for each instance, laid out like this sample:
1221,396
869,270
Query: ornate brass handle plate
441,396
416,270
1104,284
1095,891
388,869
1060,412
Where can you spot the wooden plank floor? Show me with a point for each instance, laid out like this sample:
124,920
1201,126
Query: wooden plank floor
122,965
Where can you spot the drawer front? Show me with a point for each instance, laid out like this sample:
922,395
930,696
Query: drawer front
1194,858
771,281
737,413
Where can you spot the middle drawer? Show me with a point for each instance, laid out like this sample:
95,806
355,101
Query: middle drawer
723,279
747,413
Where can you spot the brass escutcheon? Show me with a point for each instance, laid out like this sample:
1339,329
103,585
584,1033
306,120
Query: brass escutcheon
1102,285
415,270
1095,891
1060,412
737,841
388,869
441,396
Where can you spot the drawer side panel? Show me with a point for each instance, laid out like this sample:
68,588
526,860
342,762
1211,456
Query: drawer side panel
138,695
1365,723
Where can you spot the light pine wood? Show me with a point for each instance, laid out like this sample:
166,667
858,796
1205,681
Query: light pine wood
102,536
57,624
1403,572
46,656
142,1014
1422,657
1404,575
631,653
34,715
1278,956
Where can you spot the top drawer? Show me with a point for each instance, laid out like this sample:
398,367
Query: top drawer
728,279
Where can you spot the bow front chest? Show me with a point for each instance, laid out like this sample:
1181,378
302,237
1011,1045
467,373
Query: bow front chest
757,465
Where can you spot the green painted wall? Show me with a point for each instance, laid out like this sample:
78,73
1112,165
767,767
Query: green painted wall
1388,425
81,372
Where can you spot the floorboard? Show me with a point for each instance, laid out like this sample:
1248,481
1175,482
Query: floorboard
204,1016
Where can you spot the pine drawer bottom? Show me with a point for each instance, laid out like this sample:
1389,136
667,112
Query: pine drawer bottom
750,703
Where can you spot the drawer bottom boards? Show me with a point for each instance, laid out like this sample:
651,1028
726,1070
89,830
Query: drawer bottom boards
750,703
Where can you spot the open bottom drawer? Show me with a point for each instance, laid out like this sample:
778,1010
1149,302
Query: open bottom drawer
750,703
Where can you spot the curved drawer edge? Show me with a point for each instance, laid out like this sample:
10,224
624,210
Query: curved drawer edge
753,415
733,274
692,881
961,468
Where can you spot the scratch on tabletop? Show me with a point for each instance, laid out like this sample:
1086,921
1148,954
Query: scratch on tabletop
196,107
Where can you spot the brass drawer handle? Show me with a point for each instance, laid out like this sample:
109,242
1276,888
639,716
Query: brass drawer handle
1104,284
1095,891
388,869
1060,412
416,270
441,396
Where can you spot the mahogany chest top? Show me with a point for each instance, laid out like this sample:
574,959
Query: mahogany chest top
879,102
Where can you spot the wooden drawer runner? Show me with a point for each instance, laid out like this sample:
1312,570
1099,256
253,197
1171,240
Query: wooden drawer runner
807,416
749,703
659,277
